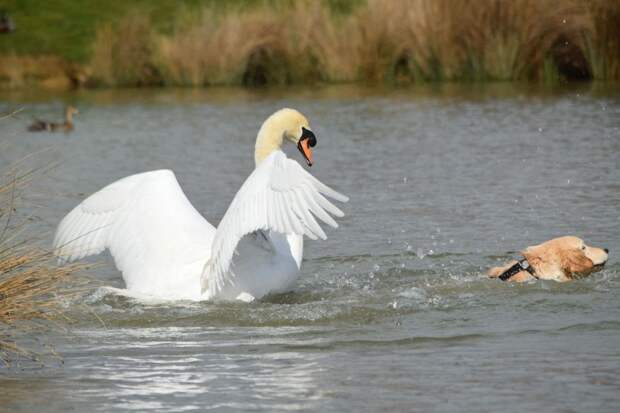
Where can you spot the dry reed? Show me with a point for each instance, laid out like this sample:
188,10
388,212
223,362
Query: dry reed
48,71
381,41
33,289
602,46
124,53
255,46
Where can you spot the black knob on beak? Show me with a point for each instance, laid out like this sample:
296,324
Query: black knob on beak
308,134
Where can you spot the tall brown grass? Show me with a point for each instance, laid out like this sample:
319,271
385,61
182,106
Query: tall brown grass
602,46
255,46
48,71
33,295
124,53
33,289
378,41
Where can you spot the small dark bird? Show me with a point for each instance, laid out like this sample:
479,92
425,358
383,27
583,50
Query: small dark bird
66,126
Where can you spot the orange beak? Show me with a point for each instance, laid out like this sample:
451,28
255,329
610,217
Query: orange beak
304,148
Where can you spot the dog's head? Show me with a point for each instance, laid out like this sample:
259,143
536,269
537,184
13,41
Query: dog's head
564,258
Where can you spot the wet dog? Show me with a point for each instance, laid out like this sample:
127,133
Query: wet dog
560,259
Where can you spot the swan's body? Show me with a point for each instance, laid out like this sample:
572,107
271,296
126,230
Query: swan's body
166,249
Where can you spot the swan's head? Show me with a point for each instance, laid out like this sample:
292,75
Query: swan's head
287,124
298,131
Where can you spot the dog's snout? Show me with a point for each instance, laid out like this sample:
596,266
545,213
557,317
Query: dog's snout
606,250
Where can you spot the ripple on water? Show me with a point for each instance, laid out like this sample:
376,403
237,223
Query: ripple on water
374,290
393,311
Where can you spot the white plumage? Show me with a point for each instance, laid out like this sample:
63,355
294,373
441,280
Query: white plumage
278,196
166,249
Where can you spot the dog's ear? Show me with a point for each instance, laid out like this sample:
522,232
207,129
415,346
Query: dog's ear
574,261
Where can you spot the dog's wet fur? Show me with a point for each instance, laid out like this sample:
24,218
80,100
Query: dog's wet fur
560,259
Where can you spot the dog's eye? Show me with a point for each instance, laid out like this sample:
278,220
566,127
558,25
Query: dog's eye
583,247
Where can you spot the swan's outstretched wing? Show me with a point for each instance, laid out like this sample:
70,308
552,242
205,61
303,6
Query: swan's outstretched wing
279,196
147,223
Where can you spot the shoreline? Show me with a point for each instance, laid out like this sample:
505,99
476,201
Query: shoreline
319,90
385,43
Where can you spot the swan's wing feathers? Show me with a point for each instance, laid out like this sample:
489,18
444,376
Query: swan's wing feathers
145,220
328,191
279,196
85,230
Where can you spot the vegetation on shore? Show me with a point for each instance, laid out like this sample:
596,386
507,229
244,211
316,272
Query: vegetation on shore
202,43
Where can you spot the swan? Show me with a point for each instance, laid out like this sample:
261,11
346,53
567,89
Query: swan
165,249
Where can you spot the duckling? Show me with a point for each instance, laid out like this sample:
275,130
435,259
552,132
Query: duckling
66,126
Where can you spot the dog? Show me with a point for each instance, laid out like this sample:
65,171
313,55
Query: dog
560,259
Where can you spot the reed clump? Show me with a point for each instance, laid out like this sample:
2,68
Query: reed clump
603,44
256,46
124,53
395,41
48,71
33,289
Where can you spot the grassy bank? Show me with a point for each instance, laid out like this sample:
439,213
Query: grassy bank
198,43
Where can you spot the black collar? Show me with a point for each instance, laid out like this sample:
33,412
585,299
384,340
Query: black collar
522,265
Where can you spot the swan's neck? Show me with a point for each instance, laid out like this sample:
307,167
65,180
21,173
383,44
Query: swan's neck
268,140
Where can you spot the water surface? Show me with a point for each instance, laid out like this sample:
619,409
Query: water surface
393,310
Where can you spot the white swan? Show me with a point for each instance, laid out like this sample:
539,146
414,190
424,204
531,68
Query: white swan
166,249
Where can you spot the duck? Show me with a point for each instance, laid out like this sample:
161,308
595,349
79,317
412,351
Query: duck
66,126
165,249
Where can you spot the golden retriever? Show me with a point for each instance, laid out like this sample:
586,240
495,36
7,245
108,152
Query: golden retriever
561,259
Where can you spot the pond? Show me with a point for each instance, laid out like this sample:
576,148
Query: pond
393,311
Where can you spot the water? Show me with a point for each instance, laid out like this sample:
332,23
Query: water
392,311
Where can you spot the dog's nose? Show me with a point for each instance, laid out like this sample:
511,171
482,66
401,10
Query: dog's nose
606,250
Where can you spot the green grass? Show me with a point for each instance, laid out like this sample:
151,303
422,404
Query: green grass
66,28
